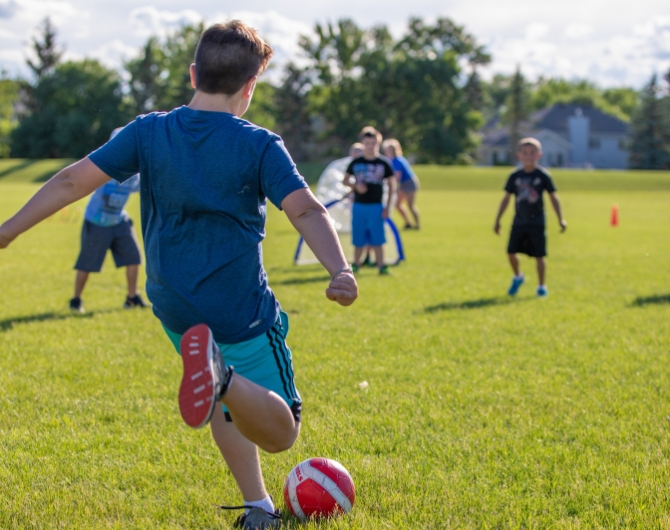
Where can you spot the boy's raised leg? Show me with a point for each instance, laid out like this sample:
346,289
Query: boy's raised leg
261,415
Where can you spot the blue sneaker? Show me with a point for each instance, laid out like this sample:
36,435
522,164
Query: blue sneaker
516,283
542,291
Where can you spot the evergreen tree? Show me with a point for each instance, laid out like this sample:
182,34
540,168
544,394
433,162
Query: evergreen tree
146,84
517,109
650,131
9,93
292,112
47,53
79,103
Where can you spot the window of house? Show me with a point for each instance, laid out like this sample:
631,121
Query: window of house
594,143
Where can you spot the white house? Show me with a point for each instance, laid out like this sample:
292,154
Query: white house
571,135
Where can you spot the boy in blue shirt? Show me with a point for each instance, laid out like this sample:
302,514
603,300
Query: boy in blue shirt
206,174
107,226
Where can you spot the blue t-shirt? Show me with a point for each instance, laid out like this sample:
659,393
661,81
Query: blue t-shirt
105,208
205,177
401,164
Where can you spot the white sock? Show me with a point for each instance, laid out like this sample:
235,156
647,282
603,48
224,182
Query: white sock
519,276
265,503
542,286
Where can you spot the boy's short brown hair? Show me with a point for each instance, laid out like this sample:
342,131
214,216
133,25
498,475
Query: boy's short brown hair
370,131
228,55
529,141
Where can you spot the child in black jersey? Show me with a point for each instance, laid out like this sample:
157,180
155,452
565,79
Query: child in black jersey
528,229
366,175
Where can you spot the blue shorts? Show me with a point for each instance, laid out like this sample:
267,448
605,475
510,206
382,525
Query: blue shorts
265,360
367,225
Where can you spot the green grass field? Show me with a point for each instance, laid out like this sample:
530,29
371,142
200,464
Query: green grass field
481,411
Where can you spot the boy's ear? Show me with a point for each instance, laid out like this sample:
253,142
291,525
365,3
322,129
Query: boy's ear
248,89
191,70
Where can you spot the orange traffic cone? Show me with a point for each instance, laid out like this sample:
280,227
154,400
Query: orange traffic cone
614,219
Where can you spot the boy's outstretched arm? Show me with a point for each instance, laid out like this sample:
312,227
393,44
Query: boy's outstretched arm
311,219
65,187
501,211
556,203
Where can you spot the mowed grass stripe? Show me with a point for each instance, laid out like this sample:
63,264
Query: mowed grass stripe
481,411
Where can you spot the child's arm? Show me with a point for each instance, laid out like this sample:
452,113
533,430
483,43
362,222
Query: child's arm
391,197
501,211
67,186
311,219
556,203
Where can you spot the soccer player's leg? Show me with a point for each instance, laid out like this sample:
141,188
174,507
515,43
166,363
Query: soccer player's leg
95,242
516,245
260,398
126,252
538,242
376,236
358,233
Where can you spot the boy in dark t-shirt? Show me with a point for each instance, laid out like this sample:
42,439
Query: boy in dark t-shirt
528,230
366,175
206,175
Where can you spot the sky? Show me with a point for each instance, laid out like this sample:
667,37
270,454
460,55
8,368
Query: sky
609,43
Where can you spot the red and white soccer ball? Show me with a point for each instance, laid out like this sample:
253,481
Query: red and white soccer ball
319,487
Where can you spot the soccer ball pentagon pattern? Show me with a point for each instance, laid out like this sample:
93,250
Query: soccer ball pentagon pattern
319,487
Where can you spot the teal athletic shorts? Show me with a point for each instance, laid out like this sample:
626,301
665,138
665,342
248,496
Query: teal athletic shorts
265,360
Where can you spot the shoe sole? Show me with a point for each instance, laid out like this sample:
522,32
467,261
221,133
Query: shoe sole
196,393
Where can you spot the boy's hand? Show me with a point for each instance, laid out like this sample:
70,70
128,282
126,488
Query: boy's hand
385,213
496,227
361,188
343,288
564,225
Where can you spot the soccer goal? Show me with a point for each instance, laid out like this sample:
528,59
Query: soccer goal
338,200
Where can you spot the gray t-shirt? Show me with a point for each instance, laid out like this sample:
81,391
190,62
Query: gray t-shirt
205,179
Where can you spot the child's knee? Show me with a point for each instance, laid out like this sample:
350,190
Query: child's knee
283,441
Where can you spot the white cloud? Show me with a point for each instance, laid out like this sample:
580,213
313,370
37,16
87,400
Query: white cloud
147,21
627,58
536,30
114,53
578,31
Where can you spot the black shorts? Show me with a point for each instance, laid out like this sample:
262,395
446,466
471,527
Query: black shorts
97,240
530,240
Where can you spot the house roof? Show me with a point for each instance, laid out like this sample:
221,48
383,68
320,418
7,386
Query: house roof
555,119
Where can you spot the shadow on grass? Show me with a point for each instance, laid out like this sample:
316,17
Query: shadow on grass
301,280
471,304
17,167
8,323
655,299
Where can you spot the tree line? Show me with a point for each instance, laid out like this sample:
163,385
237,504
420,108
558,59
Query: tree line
423,88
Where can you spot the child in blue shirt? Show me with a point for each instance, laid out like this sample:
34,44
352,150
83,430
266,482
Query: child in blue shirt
408,183
206,174
107,226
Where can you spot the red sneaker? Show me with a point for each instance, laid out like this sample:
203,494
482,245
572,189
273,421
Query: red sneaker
206,377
